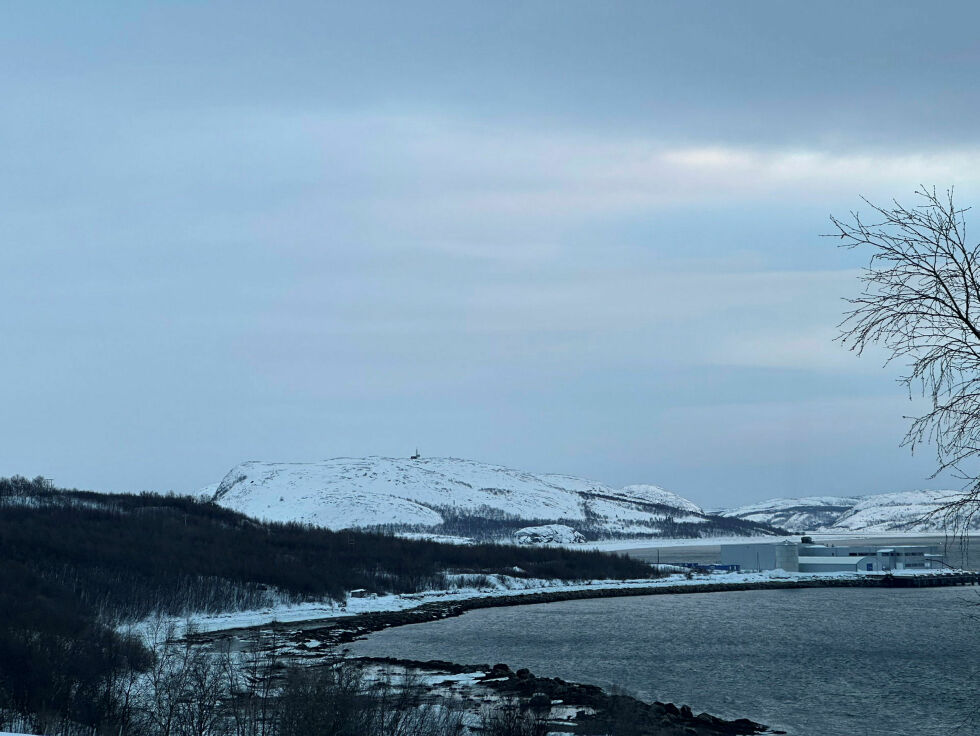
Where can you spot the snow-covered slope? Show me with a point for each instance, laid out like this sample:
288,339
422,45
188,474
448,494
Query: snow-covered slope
796,514
358,492
206,493
656,494
908,511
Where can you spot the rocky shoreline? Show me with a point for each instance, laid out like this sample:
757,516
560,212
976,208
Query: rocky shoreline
568,707
596,710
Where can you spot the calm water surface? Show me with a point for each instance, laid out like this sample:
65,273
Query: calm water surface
823,662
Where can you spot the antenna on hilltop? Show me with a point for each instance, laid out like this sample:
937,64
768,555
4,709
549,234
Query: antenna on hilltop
416,456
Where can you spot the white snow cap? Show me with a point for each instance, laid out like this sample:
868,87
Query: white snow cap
357,492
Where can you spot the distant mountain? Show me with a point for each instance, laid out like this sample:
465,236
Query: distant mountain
464,498
657,495
907,511
796,514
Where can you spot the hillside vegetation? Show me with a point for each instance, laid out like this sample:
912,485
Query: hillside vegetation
76,564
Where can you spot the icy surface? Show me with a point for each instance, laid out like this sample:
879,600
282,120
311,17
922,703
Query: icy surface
358,492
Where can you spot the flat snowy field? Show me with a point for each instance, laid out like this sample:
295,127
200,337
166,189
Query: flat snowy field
510,586
624,545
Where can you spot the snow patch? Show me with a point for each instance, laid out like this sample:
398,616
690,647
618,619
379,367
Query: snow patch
548,534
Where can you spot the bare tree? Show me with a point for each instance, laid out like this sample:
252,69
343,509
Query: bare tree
920,301
252,682
510,719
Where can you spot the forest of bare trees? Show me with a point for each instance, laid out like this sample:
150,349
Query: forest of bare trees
188,690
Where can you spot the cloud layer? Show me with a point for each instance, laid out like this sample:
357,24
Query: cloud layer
577,241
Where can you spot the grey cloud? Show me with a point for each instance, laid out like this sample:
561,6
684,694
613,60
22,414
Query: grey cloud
565,236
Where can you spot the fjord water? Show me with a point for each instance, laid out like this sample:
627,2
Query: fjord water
814,662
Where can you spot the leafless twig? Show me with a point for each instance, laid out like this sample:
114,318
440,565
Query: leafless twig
921,302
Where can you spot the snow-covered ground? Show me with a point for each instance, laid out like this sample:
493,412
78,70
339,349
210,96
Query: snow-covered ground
442,538
503,586
625,545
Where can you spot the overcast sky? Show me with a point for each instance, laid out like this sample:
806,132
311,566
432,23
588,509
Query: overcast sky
560,236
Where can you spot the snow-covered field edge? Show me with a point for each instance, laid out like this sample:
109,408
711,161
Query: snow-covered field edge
624,545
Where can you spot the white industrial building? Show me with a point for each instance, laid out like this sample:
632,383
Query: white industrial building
805,556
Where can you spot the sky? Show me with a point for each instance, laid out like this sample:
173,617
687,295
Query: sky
567,237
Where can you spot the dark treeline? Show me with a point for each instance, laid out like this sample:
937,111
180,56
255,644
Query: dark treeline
710,526
128,556
489,524
74,564
483,524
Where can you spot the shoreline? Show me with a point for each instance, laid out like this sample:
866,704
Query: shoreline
319,638
345,628
584,708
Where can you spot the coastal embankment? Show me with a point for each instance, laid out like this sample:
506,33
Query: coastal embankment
323,639
345,628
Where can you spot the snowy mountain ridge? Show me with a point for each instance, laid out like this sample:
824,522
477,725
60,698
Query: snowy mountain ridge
907,511
444,494
796,514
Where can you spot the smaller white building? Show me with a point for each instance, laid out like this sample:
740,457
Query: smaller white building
868,558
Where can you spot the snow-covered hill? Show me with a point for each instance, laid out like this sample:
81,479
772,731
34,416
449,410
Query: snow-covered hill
656,494
796,514
445,493
908,511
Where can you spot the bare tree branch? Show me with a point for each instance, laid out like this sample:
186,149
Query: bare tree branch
919,300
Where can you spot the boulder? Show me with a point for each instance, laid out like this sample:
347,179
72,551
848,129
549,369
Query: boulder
548,534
